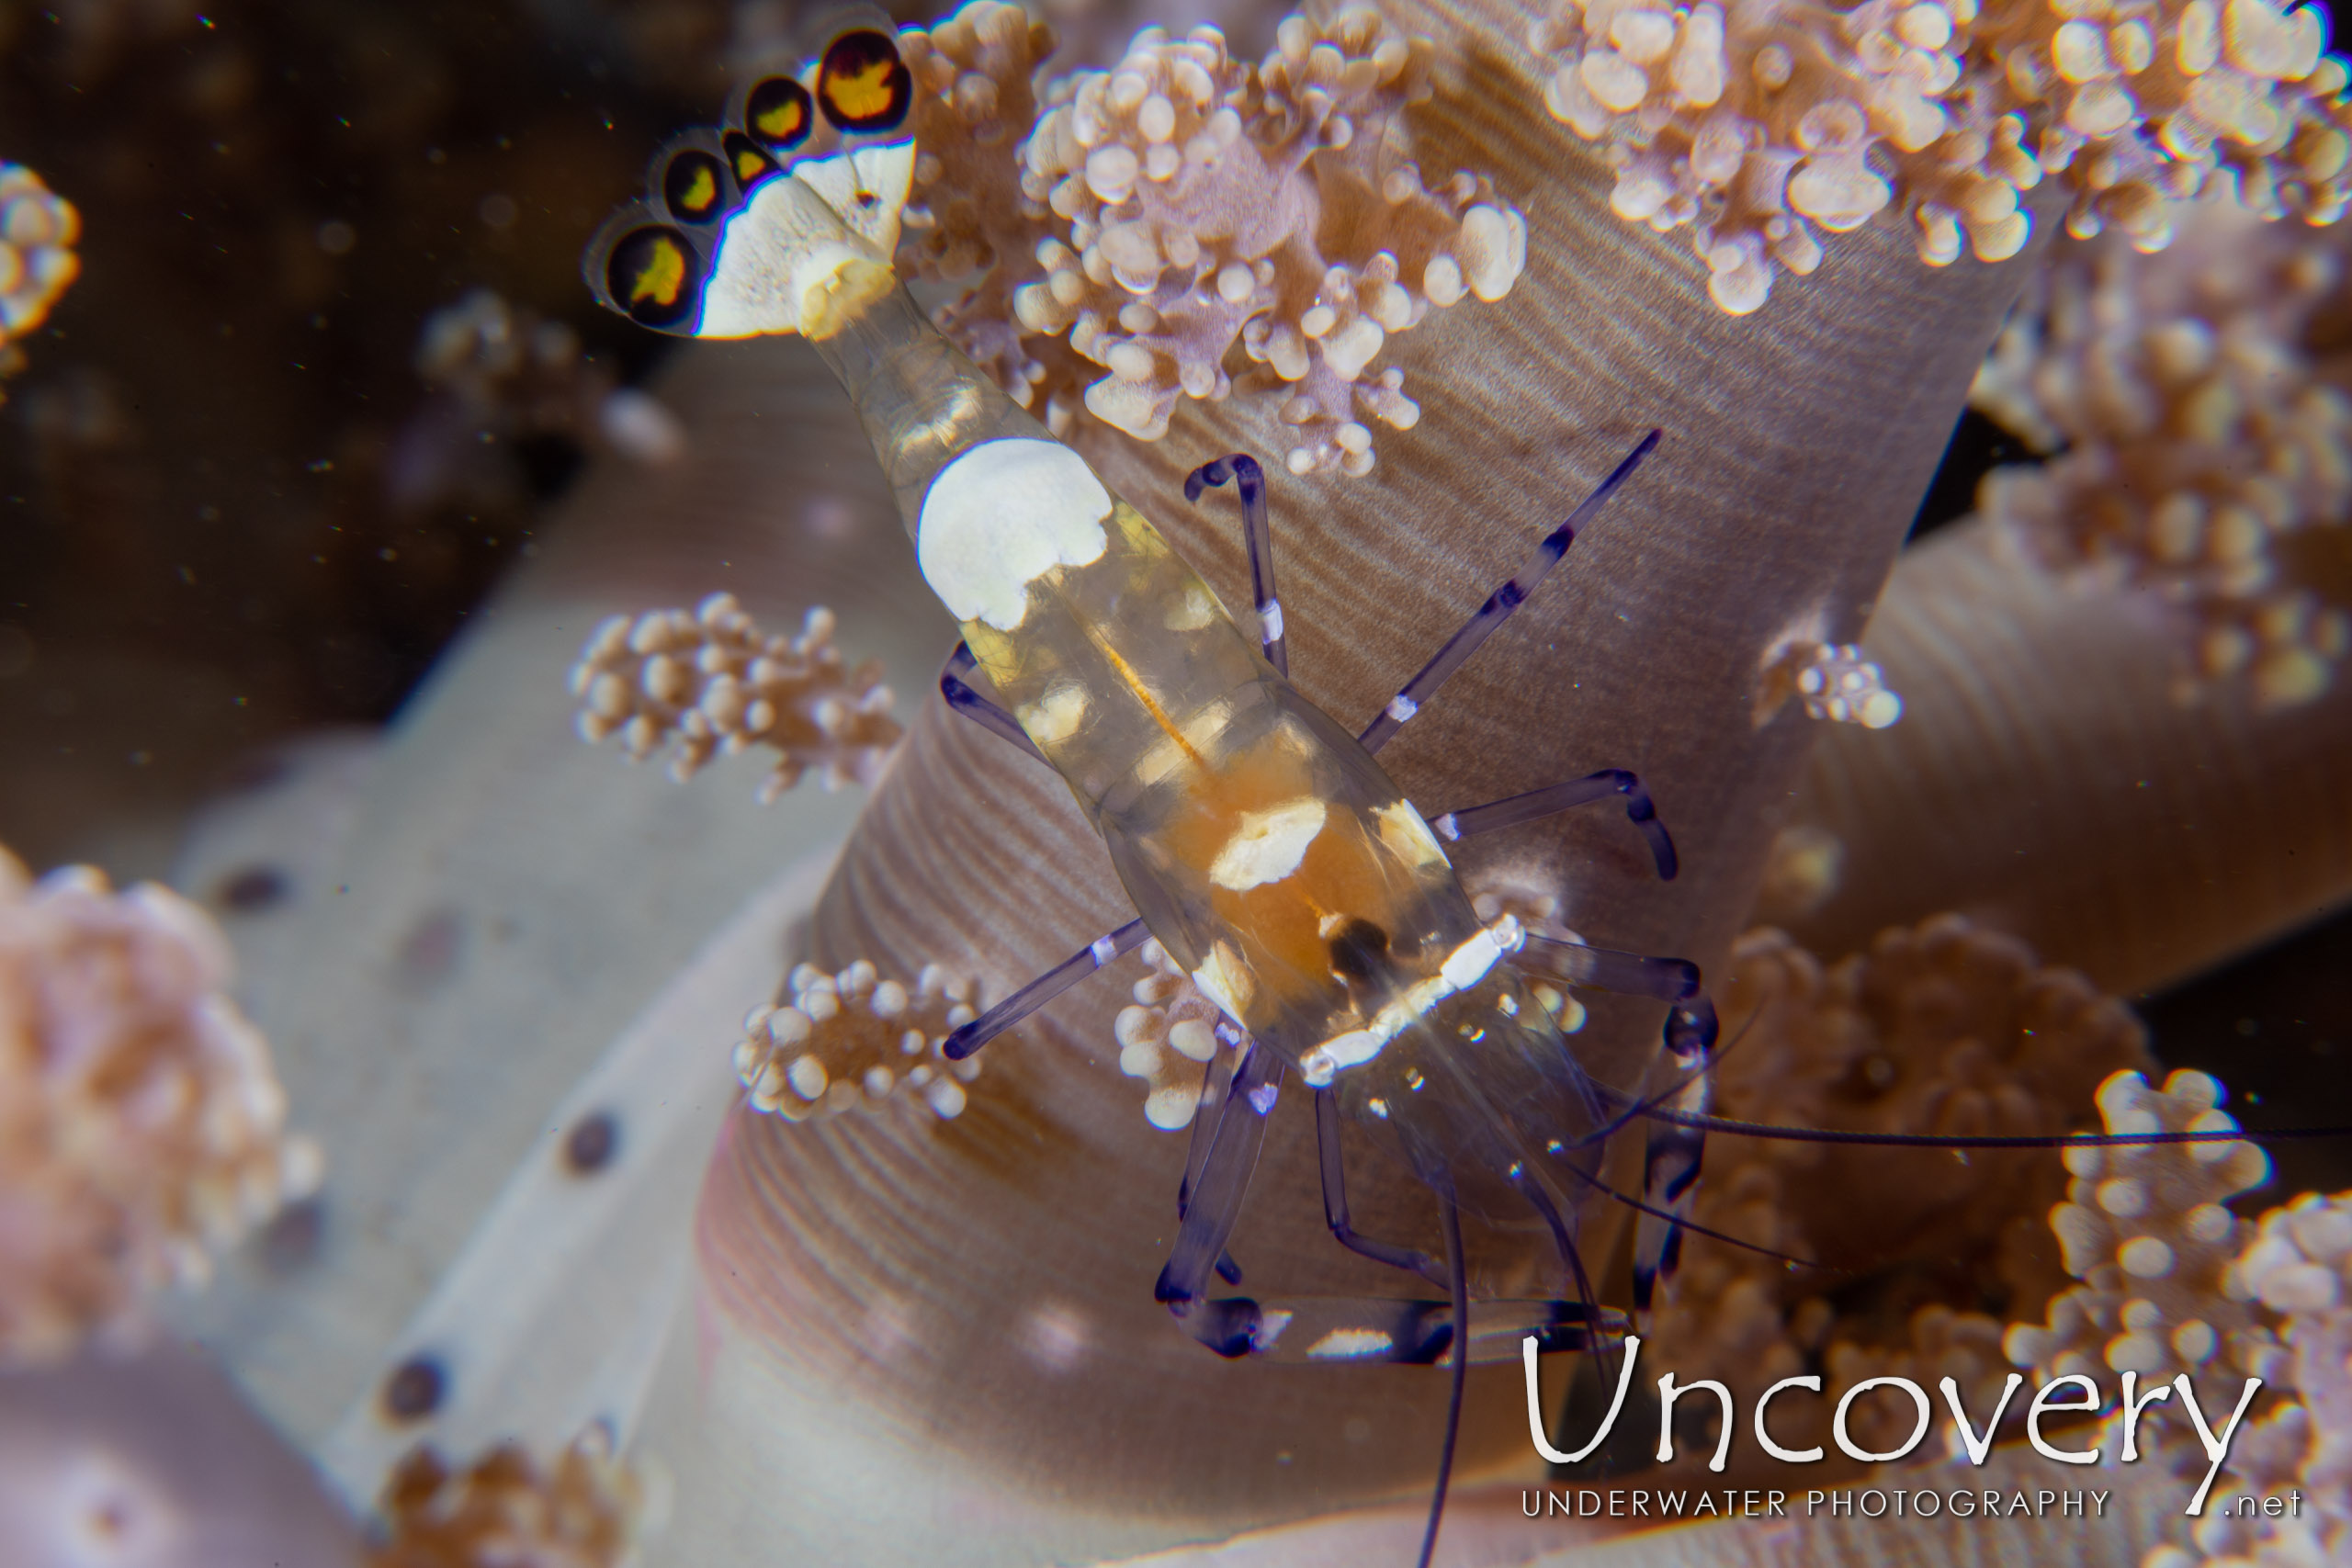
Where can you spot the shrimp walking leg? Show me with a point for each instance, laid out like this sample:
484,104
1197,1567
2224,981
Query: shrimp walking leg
1333,1160
1602,968
1564,1240
1249,484
1498,607
1320,1330
1044,988
1457,1282
1671,1156
978,708
1217,1088
1537,804
1213,1204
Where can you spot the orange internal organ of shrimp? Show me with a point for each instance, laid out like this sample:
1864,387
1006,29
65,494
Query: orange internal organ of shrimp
1263,847
1288,869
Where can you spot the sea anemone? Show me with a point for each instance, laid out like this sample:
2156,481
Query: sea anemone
712,681
38,231
142,1129
498,376
1184,201
1939,1028
871,1281
1757,124
506,1509
2196,429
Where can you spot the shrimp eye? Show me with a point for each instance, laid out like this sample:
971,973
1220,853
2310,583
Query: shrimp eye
862,86
778,115
694,185
1359,951
653,276
744,154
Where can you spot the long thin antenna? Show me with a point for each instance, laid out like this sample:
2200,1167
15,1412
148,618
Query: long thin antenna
1457,1280
1726,1126
1693,1226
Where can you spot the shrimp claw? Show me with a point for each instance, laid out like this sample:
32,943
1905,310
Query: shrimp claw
1355,1330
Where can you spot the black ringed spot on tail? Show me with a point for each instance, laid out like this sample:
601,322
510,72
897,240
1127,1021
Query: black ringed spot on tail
653,275
694,185
863,87
778,115
743,156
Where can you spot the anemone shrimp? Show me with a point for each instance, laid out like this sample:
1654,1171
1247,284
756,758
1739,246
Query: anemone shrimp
1015,536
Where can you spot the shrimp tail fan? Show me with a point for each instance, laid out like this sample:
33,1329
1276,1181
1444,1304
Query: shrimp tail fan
785,218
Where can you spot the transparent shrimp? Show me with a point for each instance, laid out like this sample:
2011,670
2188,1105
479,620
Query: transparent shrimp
1262,843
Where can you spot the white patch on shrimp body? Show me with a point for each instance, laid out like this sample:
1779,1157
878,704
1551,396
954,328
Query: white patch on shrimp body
1224,980
1268,844
781,247
1351,1345
1055,716
1406,836
1002,515
1191,612
1467,964
1464,968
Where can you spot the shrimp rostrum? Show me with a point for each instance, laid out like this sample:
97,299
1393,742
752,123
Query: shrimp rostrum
1264,847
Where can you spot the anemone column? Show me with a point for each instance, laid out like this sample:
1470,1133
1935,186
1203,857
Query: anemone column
1010,1253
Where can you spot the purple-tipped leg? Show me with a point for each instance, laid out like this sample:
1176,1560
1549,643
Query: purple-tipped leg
1249,483
1499,607
1235,1325
1670,1172
1537,804
1673,1153
1217,1088
1044,988
1458,1286
1602,968
1334,1200
978,708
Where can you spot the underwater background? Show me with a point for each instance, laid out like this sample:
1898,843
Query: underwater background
323,469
